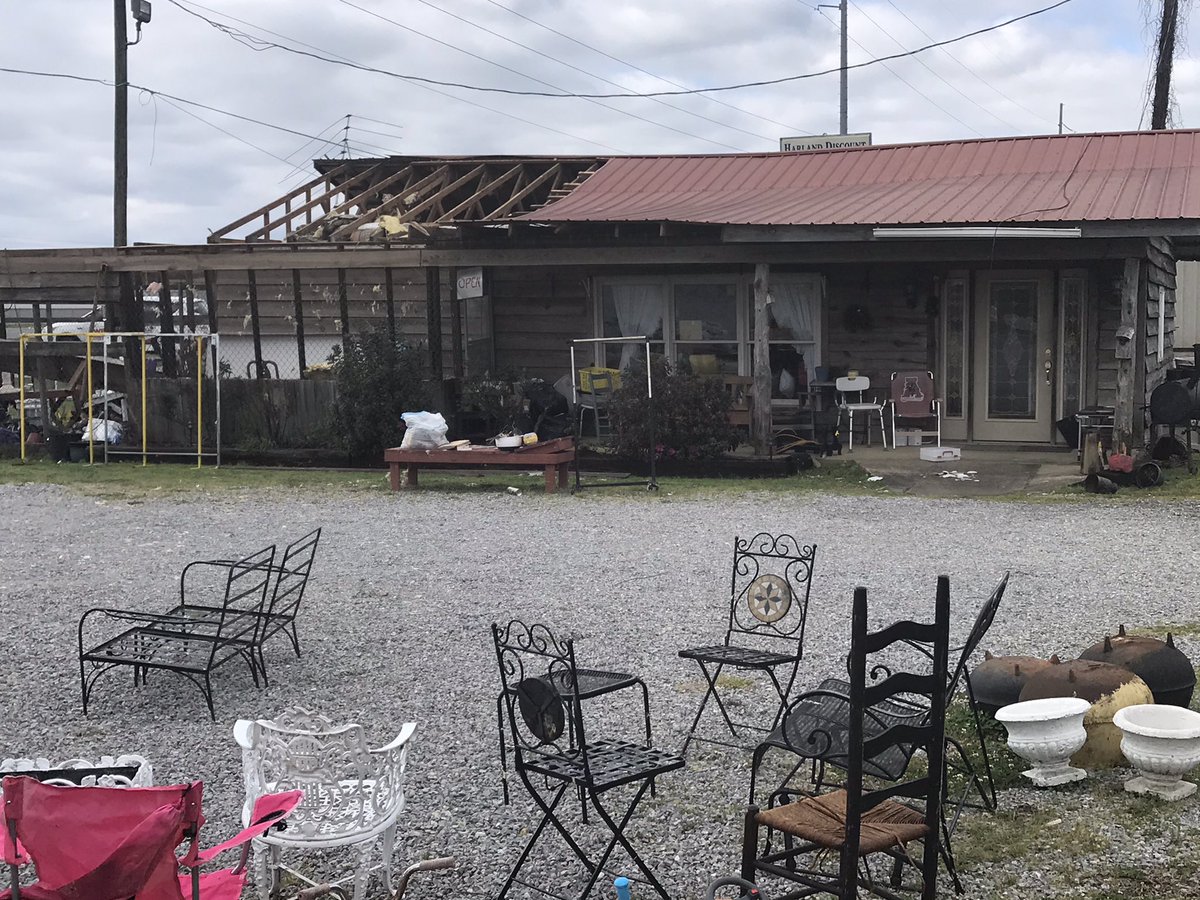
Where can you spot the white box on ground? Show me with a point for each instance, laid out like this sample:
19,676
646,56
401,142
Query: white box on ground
940,454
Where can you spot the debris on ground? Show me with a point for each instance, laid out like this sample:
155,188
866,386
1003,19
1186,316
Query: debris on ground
960,476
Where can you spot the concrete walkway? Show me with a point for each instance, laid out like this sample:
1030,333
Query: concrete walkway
983,470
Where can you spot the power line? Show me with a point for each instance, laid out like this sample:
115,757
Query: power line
971,71
415,81
583,71
933,71
534,78
419,79
638,68
905,81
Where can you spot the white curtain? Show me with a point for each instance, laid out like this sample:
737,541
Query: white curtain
639,311
796,306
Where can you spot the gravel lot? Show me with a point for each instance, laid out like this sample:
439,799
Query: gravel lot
405,587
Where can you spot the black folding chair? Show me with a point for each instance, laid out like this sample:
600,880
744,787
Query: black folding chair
856,822
552,751
772,576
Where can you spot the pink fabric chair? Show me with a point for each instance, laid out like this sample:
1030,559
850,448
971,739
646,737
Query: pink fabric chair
90,843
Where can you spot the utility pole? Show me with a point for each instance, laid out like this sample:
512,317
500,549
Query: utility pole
120,126
1162,68
843,107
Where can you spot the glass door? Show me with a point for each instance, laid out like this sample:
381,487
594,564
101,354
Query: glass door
1014,357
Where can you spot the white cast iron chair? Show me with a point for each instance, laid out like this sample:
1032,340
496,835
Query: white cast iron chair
852,399
353,795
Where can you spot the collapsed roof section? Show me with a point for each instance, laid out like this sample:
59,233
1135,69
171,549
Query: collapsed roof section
408,199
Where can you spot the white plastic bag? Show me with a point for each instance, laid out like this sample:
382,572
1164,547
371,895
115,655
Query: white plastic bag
423,431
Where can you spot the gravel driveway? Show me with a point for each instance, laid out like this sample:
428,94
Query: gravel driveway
405,587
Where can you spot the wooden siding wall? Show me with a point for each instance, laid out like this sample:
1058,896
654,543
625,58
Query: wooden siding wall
1102,366
1160,278
537,312
901,334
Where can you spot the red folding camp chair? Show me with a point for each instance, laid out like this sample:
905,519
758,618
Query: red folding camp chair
94,843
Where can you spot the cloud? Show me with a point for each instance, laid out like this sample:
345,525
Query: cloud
187,177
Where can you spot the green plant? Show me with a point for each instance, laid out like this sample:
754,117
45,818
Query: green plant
690,414
500,397
377,380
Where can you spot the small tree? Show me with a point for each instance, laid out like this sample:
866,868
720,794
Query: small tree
377,380
691,414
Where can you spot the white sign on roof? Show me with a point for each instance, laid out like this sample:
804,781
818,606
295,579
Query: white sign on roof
824,142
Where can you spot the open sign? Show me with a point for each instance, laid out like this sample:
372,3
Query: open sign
470,282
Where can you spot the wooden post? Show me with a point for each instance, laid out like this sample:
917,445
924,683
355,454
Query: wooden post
343,304
298,316
456,333
210,300
189,304
166,325
760,415
389,293
39,367
3,322
433,330
1125,351
254,325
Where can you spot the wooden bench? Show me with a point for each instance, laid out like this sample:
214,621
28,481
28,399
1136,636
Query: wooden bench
553,456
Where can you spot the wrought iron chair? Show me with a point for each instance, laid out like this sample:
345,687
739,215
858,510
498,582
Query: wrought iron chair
191,647
852,399
290,581
832,716
590,683
772,576
552,748
353,795
92,842
913,399
856,821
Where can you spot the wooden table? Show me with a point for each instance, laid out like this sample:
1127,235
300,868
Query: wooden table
553,456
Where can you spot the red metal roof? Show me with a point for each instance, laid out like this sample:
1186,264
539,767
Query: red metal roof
1055,178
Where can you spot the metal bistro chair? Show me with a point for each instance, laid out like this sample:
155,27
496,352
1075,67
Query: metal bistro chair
190,647
290,581
553,752
832,716
852,398
768,605
857,821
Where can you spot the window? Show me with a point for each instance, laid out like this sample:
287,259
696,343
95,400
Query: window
706,327
954,363
630,308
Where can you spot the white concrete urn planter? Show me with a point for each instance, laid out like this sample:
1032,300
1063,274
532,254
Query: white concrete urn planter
1163,744
1046,732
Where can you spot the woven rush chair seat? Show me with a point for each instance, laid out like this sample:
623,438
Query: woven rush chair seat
611,763
822,820
742,657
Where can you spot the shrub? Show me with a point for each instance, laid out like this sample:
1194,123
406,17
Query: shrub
377,380
499,397
691,414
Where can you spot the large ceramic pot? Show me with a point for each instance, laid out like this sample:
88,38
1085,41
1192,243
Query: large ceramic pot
1046,732
1108,688
1163,744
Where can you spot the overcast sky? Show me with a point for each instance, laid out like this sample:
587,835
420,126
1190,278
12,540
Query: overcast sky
194,170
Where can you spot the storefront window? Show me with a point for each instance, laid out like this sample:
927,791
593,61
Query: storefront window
706,328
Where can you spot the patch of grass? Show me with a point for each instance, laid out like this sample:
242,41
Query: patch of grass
1177,629
1021,832
960,726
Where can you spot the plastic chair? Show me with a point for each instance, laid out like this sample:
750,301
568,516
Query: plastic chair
860,820
97,842
353,794
852,398
913,398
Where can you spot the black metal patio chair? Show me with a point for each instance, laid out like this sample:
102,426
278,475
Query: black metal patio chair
859,820
831,715
290,581
191,647
553,752
768,606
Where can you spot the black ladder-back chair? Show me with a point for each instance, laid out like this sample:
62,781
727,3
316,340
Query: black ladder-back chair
769,590
858,820
892,763
553,752
290,581
188,646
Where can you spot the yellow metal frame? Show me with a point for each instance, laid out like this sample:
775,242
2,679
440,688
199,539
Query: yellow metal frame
145,338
